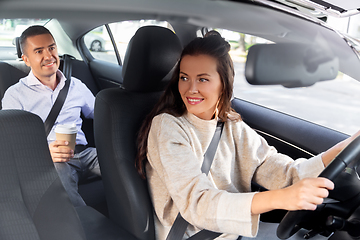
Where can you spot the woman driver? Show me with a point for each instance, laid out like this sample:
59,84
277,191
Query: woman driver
177,133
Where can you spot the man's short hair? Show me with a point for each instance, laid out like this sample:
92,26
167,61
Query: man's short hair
30,32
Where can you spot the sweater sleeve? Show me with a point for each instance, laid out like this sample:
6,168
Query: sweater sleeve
275,170
172,157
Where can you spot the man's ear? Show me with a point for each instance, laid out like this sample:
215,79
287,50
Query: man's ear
26,60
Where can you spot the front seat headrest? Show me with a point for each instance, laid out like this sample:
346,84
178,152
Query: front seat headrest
18,48
151,54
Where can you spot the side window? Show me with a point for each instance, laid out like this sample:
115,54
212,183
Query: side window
99,42
9,30
333,104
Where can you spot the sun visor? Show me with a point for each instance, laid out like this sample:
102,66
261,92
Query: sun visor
336,8
289,64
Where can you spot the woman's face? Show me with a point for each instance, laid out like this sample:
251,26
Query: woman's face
200,85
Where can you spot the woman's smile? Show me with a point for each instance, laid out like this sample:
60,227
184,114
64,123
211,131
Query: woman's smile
194,101
200,85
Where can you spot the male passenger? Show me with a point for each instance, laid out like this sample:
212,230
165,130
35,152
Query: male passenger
37,93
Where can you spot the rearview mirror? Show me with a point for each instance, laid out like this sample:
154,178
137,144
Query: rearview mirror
289,64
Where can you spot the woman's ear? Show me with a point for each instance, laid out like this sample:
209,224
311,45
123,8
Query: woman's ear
216,112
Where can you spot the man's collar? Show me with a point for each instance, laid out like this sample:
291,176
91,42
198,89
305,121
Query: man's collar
31,80
61,76
34,81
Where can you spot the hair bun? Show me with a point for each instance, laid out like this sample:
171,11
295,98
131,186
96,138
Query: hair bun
216,35
212,33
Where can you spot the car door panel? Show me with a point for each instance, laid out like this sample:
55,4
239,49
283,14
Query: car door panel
107,74
290,135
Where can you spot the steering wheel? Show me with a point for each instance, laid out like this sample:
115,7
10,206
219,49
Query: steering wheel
289,225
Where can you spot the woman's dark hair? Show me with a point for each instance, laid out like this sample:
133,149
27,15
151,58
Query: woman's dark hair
170,102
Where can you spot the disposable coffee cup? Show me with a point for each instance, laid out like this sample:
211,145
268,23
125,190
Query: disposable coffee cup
67,132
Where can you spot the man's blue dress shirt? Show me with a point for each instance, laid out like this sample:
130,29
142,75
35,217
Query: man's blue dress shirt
31,95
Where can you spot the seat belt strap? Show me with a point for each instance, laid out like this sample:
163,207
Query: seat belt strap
59,102
180,224
211,150
177,229
204,235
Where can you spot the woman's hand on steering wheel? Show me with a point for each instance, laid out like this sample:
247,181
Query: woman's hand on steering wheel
350,152
305,194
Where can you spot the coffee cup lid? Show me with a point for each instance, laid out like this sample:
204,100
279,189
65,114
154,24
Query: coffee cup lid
66,128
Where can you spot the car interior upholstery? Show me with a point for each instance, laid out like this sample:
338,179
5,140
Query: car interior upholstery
119,114
286,132
32,196
27,200
9,75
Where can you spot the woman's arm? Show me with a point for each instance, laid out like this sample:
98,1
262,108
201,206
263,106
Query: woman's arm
303,195
330,154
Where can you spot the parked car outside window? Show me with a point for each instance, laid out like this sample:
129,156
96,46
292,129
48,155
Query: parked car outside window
99,43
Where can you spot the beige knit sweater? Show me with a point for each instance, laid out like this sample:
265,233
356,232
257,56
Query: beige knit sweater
221,201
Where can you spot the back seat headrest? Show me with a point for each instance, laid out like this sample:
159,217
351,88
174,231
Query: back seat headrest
18,48
151,54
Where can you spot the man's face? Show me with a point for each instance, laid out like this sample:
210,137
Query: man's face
40,53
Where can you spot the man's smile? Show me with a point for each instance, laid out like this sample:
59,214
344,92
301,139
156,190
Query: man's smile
49,64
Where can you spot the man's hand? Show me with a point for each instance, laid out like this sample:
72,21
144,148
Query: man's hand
59,153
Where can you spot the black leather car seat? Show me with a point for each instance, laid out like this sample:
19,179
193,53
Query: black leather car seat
151,55
33,202
12,71
10,74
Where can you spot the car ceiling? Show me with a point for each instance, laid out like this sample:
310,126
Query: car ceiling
78,17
